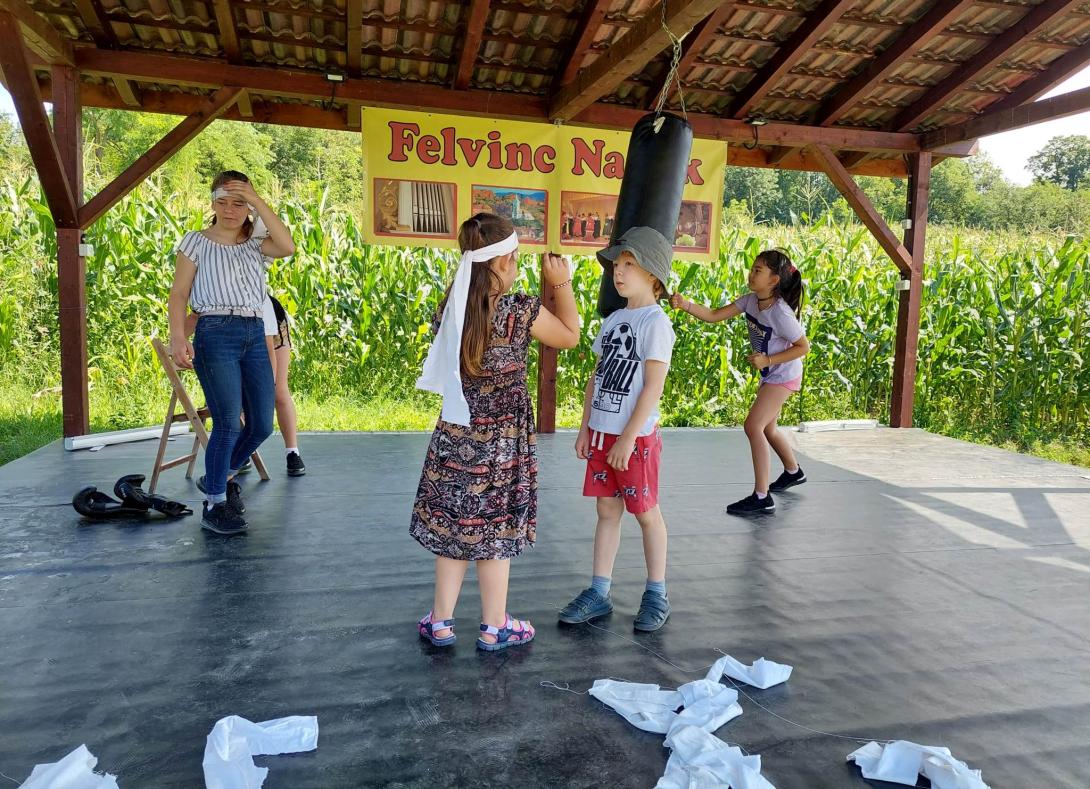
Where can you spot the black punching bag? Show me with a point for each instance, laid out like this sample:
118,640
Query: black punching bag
654,178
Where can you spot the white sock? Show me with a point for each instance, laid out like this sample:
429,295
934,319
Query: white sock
761,496
794,470
289,450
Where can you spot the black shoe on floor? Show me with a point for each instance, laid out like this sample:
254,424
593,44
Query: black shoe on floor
222,519
751,505
653,613
788,480
295,465
234,494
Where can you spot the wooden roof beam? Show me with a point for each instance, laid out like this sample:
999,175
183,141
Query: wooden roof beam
23,86
245,105
97,23
992,54
39,35
127,93
1002,120
228,33
779,154
787,56
476,16
930,25
694,45
589,22
630,54
864,208
1061,69
353,56
207,111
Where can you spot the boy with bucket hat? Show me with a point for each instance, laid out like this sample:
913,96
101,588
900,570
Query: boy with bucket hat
619,436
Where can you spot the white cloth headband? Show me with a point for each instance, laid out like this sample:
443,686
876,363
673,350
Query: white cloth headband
442,372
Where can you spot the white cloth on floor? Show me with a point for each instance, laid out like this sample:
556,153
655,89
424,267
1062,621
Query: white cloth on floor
761,674
707,705
74,771
234,741
901,762
700,760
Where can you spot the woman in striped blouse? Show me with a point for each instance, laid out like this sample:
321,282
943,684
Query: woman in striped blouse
220,272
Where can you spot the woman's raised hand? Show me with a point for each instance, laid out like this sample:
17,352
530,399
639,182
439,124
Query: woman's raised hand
556,269
243,189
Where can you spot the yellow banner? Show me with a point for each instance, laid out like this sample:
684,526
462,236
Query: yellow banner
425,174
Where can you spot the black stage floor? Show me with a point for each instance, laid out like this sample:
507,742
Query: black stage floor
922,588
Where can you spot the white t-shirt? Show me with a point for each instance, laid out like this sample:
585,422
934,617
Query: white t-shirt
628,338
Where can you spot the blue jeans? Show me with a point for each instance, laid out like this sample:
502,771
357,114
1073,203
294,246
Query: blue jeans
232,363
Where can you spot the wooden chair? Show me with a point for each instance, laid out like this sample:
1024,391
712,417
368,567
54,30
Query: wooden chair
195,416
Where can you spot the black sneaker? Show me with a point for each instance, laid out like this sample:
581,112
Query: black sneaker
234,494
788,480
653,613
222,519
752,505
295,465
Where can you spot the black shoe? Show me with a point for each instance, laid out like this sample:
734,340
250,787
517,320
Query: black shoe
788,480
587,605
222,519
295,465
654,610
752,505
234,494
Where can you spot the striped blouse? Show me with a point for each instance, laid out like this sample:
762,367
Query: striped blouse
229,276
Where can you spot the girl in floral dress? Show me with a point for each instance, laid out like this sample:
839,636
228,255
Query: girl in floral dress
477,499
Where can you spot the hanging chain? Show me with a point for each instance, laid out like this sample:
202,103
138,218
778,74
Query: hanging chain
672,76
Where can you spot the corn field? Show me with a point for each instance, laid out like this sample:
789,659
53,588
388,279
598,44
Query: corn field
1002,340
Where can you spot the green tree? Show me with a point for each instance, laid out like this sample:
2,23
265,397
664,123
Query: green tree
1064,160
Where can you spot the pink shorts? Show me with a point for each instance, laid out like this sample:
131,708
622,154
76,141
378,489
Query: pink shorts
639,485
791,386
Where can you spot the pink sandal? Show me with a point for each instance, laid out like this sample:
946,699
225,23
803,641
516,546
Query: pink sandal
507,636
428,627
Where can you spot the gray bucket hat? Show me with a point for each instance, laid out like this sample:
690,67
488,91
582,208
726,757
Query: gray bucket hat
650,248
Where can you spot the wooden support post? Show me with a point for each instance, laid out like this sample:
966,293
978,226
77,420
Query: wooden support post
71,267
23,86
546,367
863,207
908,310
210,109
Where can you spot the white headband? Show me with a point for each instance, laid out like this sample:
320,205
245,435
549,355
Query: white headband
442,372
221,192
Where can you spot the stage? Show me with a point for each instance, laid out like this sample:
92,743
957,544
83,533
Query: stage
923,588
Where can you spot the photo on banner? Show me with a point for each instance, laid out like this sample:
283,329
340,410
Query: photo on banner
426,173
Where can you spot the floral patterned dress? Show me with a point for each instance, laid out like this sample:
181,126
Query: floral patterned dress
478,491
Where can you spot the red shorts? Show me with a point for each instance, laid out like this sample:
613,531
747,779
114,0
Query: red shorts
794,385
639,485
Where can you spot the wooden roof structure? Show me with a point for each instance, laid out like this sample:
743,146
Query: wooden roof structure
844,87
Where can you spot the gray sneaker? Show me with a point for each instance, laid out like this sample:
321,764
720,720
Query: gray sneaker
654,611
587,606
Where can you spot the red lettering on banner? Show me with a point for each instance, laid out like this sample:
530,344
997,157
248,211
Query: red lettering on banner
545,158
471,149
402,141
449,159
520,157
614,165
495,157
692,176
584,156
426,149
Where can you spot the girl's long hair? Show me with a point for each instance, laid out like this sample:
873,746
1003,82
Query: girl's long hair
479,231
790,288
247,229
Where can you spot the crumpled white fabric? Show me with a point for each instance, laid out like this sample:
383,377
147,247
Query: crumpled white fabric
442,371
234,741
900,762
707,705
700,760
760,674
74,771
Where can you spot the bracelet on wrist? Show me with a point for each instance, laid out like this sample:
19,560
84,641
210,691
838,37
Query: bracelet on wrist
562,284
